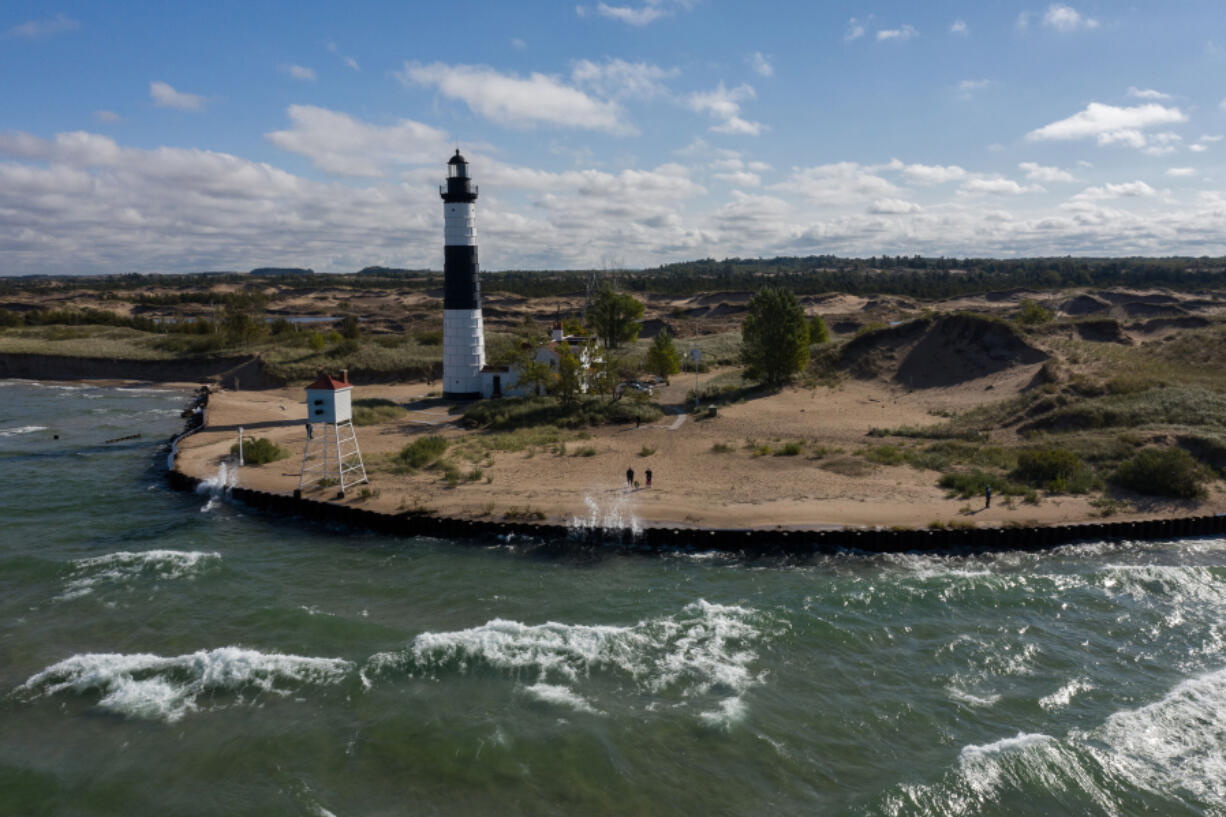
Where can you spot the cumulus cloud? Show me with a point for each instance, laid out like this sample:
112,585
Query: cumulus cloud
1038,173
518,101
932,174
339,144
33,29
893,207
998,186
1146,93
645,14
1067,19
106,116
968,87
959,27
901,34
1110,124
1135,189
761,64
724,104
740,178
299,72
839,184
349,62
618,79
854,31
1181,172
165,96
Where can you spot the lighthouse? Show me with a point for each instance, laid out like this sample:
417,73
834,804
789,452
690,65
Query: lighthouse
463,334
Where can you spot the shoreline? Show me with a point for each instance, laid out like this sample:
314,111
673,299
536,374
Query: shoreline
793,540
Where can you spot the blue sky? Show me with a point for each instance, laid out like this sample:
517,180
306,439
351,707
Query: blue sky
163,137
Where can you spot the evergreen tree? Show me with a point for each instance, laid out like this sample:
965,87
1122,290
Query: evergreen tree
615,316
662,357
774,336
818,333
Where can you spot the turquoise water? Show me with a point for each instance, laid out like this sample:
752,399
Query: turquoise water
166,653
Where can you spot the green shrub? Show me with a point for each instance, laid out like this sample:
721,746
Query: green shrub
585,451
1032,314
1054,469
788,450
646,451
371,411
422,452
885,455
722,448
1162,472
259,451
968,484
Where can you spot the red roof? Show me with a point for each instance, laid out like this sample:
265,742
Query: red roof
327,382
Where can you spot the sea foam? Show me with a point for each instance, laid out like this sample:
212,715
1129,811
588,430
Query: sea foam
163,688
705,650
19,430
125,567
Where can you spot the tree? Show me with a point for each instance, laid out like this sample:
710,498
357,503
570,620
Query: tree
662,357
536,375
615,316
818,333
350,328
774,336
569,376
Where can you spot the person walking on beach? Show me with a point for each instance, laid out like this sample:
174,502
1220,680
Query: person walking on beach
648,475
987,497
629,477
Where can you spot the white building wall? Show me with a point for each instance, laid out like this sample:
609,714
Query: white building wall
329,406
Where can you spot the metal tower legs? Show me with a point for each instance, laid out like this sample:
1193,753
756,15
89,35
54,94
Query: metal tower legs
331,457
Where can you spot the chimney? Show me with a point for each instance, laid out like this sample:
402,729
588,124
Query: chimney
344,375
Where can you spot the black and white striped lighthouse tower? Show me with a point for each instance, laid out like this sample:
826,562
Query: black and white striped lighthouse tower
463,334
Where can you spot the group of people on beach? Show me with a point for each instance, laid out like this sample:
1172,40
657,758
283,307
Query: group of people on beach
631,484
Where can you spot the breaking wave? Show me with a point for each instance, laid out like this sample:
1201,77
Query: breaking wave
126,566
706,651
1173,749
154,687
614,518
18,430
217,486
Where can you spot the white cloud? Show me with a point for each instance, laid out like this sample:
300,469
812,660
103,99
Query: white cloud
838,185
299,72
1067,19
106,116
349,62
339,144
893,207
1110,124
724,104
1023,21
617,79
1197,148
959,27
1038,173
630,16
968,87
165,96
1135,189
1146,93
933,174
1181,172
1161,144
998,186
1222,104
1210,138
761,64
33,29
855,30
512,100
902,34
740,178
518,44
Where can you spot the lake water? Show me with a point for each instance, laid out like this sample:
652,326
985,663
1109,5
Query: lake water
165,653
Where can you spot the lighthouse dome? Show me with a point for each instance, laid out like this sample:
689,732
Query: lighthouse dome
457,159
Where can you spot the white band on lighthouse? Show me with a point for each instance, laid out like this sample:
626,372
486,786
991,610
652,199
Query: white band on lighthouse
460,224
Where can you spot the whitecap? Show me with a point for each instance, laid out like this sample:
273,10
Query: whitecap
561,696
705,650
126,566
17,430
155,687
217,486
1063,696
